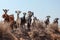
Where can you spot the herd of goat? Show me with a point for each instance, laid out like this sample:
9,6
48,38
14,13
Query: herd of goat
26,28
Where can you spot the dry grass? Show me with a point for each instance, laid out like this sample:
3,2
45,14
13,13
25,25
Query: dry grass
38,31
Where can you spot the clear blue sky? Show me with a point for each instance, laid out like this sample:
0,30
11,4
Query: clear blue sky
41,8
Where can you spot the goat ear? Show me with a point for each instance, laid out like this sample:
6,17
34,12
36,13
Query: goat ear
3,9
24,13
19,11
57,18
32,13
15,11
8,10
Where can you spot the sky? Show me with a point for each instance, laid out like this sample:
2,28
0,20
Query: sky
41,8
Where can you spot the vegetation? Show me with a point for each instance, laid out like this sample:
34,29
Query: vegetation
26,29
